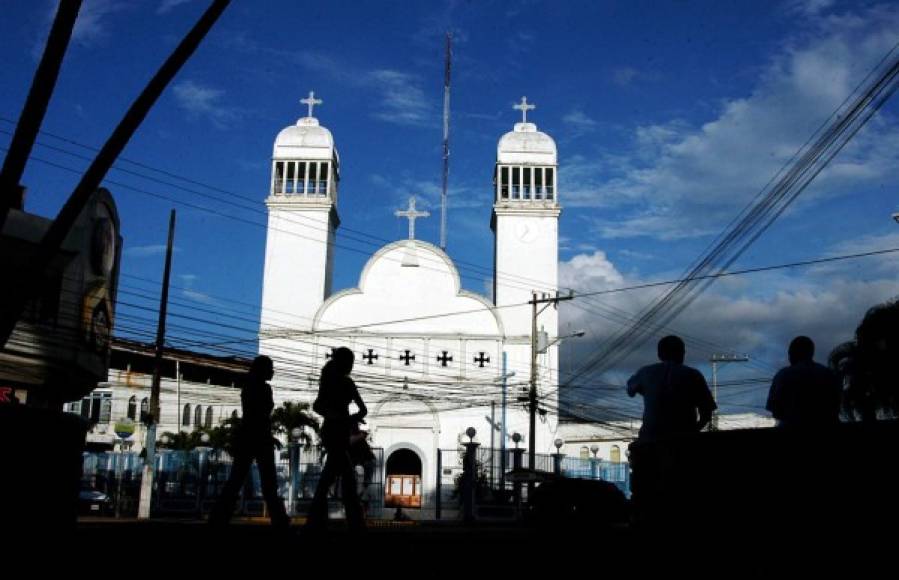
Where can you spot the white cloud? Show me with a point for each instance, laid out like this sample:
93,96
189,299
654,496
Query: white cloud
197,296
682,180
426,192
579,123
191,293
204,101
870,243
92,25
808,7
168,5
625,76
401,96
592,271
145,251
403,101
521,42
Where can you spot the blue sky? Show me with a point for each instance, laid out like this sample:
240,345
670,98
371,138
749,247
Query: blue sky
668,116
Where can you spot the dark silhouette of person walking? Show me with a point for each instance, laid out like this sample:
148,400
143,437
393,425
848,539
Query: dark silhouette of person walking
336,390
254,441
676,398
805,394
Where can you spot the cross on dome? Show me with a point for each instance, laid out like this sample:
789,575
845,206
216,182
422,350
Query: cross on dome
311,101
411,214
524,107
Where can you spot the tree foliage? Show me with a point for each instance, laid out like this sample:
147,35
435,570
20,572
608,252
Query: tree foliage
869,365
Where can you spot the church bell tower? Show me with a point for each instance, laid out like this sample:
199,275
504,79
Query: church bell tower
525,224
302,222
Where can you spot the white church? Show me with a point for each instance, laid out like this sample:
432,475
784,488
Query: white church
429,354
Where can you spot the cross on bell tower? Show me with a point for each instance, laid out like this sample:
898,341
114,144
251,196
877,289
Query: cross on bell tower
411,214
524,107
311,101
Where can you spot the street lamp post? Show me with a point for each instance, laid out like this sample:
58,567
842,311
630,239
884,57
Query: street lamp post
470,476
293,449
516,467
557,458
594,449
203,460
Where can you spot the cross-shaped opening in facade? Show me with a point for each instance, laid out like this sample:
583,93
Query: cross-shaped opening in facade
406,357
311,101
411,214
524,107
444,358
481,359
370,356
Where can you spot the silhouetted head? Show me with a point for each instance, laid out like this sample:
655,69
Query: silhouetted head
672,349
340,365
262,368
802,349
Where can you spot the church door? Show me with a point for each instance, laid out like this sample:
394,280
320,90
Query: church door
403,480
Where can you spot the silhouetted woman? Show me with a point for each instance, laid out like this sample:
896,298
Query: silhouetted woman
336,390
254,441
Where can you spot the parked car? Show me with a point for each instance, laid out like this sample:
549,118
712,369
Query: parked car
92,501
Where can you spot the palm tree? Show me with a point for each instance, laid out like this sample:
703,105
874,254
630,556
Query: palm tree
291,415
180,441
222,437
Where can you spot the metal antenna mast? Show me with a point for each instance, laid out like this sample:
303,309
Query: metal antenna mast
446,104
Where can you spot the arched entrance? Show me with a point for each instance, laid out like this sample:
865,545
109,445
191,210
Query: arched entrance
403,481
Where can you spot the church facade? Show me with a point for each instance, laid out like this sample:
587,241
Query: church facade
431,358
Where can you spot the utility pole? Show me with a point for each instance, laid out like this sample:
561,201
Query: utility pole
715,359
532,393
146,487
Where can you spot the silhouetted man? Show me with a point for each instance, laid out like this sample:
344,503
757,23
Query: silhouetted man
254,441
804,394
676,398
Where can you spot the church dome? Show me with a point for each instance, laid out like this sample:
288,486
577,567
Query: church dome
305,140
526,145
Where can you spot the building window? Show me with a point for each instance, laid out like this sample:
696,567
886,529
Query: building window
97,408
234,414
550,183
144,410
208,423
278,185
538,183
615,454
313,177
526,186
301,177
132,408
504,183
198,416
323,179
290,181
585,453
185,416
516,183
